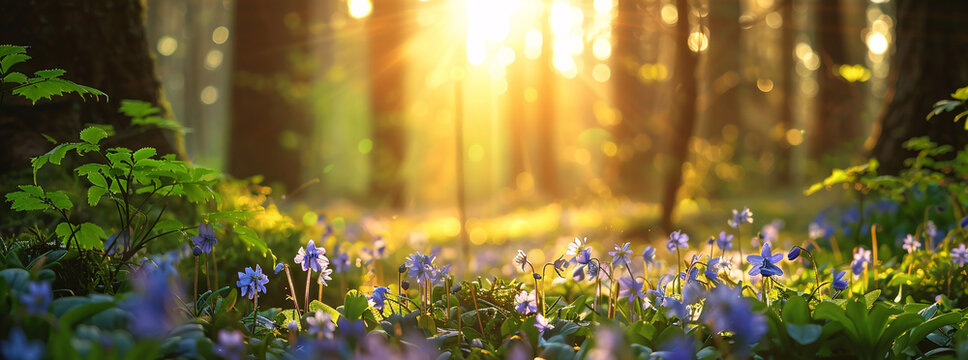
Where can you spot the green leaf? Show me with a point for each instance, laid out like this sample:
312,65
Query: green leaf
23,201
83,312
804,334
315,306
50,73
15,77
354,304
795,311
251,239
922,330
11,60
59,199
46,88
871,297
93,135
144,153
91,236
137,108
94,194
7,49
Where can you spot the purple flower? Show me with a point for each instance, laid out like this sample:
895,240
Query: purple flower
794,253
440,274
911,244
839,283
252,281
621,254
321,324
964,222
725,309
677,240
526,303
17,346
543,324
311,257
154,300
740,218
861,257
583,257
724,242
379,297
116,246
648,255
712,270
230,345
206,238
678,348
341,263
771,231
631,289
765,262
324,275
420,267
959,255
38,297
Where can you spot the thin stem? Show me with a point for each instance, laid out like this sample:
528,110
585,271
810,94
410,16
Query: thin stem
208,274
195,307
214,268
679,268
309,277
874,251
255,310
292,289
477,310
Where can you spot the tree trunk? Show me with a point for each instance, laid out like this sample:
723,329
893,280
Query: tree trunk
625,171
100,43
929,64
269,122
838,116
386,29
784,164
546,178
685,100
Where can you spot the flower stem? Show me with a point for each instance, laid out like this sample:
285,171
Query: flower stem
874,251
215,268
255,310
208,274
679,268
477,310
309,276
195,303
292,289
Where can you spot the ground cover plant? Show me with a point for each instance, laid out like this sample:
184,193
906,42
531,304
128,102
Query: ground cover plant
130,254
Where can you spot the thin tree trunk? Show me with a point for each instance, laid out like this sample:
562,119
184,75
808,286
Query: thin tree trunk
784,166
386,29
838,116
270,124
547,164
685,100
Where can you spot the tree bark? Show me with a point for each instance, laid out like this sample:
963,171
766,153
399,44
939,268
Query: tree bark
546,178
100,43
929,65
838,116
784,164
386,29
625,170
269,121
685,100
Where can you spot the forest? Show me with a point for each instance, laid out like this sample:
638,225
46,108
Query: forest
483,179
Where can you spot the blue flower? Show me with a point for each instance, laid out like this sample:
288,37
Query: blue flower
379,297
631,289
911,244
114,246
252,281
861,257
765,262
649,255
526,303
38,297
154,300
964,222
578,274
543,324
341,263
712,270
321,324
740,217
420,267
677,240
725,309
230,345
311,257
678,348
440,274
593,270
724,242
839,283
206,238
18,347
279,267
621,254
584,256
794,253
959,255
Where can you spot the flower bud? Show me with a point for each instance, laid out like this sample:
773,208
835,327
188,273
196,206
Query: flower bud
402,269
455,288
537,276
405,285
794,253
196,251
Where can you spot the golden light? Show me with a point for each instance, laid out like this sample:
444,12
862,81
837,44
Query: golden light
601,72
209,95
359,8
220,35
532,44
877,43
765,85
603,6
794,137
854,73
698,42
602,49
167,45
670,15
213,59
774,20
505,56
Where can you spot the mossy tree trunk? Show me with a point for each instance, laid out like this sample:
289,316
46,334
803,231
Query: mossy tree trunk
100,43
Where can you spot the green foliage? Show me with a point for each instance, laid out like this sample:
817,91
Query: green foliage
956,103
42,84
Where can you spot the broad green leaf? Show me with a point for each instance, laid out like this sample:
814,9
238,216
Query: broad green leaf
804,334
251,239
7,49
315,306
10,60
94,194
46,88
83,312
144,153
795,311
50,73
15,77
354,304
23,201
93,135
91,236
59,199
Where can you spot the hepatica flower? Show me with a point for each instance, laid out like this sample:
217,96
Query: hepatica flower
724,242
631,289
621,254
861,257
420,267
252,281
311,257
677,240
38,297
230,345
648,255
960,255
17,346
765,263
839,283
379,297
726,310
740,218
712,270
543,324
583,257
576,246
206,238
341,263
911,244
526,303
